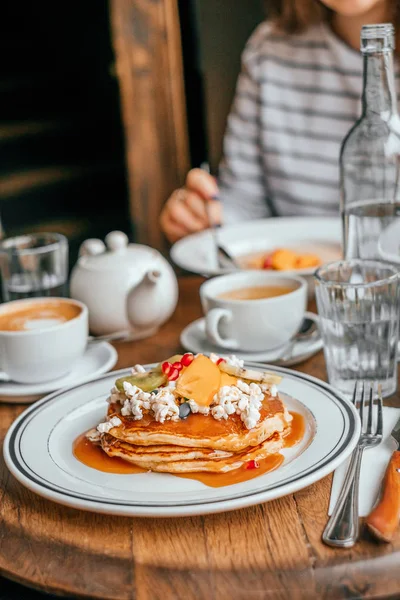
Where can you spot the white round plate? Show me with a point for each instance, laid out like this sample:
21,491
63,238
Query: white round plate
38,452
319,235
98,359
194,339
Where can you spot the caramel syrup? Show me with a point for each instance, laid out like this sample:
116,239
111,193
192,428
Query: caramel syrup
93,456
296,431
269,463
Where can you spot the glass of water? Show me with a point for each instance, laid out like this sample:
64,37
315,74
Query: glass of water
34,265
358,305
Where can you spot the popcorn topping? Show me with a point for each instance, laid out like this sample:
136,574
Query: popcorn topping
115,396
243,399
136,401
219,412
162,403
196,408
108,425
272,390
93,435
164,406
234,361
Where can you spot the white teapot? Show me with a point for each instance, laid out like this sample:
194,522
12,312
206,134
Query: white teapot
125,286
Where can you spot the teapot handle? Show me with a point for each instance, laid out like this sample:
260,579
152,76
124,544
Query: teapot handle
142,313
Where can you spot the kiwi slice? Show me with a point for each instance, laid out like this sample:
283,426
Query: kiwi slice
148,381
145,381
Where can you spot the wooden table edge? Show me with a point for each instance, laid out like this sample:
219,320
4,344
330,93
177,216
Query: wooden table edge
309,511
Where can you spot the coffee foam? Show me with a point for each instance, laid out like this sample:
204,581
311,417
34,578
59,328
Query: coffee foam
37,316
31,324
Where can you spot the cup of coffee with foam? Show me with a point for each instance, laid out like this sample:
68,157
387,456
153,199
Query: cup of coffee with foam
253,310
41,338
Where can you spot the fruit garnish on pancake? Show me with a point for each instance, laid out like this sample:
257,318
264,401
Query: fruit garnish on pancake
194,414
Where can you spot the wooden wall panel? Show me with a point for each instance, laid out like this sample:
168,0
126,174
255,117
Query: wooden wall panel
146,38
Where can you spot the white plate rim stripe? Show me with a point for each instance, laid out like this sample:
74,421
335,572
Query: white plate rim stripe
124,371
11,455
298,475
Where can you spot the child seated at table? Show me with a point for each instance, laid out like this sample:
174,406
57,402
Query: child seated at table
297,96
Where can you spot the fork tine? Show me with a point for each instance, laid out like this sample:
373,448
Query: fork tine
354,398
362,404
371,402
379,424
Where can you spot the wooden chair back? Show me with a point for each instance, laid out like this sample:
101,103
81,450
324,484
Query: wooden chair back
147,44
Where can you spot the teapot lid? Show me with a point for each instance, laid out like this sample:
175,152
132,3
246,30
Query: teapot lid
115,254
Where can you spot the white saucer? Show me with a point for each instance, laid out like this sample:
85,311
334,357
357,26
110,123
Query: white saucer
98,359
193,338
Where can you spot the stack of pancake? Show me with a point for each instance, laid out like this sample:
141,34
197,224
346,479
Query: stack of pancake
198,443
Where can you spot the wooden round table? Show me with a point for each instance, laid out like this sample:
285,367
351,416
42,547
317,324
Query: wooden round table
270,551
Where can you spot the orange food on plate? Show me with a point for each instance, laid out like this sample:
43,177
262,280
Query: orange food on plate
284,259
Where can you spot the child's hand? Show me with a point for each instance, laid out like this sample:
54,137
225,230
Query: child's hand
185,210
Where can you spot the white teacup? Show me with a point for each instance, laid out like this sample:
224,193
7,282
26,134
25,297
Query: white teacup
41,344
253,324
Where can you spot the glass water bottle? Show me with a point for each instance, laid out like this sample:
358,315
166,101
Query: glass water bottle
370,153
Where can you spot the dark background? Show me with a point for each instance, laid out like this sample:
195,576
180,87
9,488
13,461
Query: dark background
61,136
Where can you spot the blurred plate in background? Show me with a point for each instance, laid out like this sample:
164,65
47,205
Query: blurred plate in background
316,235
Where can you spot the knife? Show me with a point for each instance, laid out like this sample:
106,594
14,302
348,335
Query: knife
383,521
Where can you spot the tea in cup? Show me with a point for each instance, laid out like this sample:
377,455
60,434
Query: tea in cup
253,311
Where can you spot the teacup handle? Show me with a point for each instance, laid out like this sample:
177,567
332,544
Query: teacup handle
3,375
213,319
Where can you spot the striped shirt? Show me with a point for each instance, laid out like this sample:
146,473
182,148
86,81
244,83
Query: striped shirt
297,96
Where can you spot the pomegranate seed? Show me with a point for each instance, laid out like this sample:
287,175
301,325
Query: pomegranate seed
252,464
267,264
166,368
187,359
220,360
177,365
174,374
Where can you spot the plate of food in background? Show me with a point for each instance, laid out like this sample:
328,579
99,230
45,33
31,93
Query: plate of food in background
297,245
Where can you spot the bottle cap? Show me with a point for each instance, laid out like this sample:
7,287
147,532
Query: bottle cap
377,38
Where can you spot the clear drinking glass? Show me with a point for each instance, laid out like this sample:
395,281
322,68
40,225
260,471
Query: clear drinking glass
358,305
34,265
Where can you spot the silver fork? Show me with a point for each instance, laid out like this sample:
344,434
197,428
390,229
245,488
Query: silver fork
224,259
342,528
